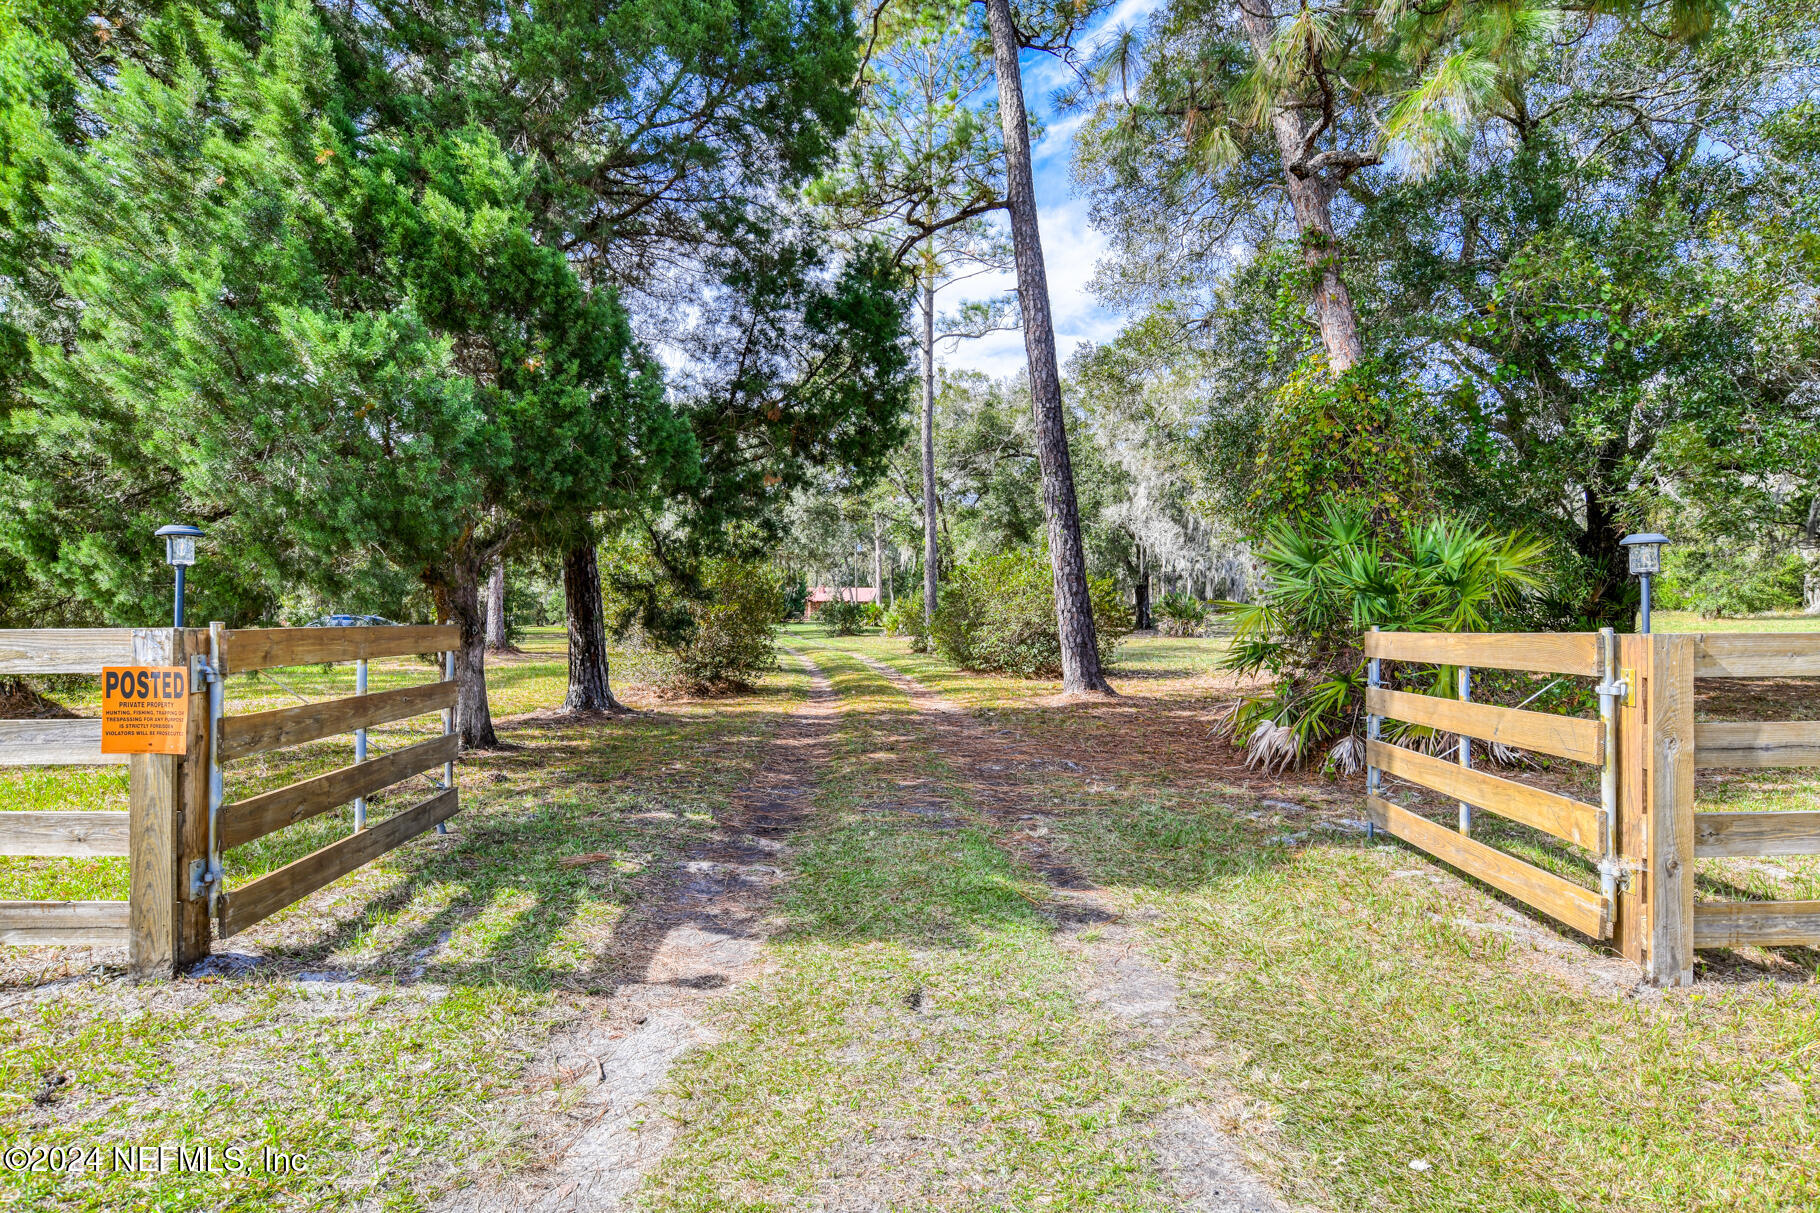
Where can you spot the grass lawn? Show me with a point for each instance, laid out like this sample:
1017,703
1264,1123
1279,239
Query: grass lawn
1373,1031
1691,621
1398,1038
393,1014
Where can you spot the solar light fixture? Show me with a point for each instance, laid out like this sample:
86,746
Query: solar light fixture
1645,561
180,553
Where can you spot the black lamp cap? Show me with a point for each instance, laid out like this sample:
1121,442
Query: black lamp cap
179,528
1652,537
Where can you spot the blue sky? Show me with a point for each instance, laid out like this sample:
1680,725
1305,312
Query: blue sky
1071,246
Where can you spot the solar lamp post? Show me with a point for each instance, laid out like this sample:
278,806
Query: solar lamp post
1645,562
180,553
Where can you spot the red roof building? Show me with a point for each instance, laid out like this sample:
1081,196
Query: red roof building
822,594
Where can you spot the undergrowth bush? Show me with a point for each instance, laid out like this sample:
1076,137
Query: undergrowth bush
732,639
1327,583
1179,614
905,618
997,615
1358,438
841,617
794,598
1719,580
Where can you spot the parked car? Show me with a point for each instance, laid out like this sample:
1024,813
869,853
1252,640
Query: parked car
352,621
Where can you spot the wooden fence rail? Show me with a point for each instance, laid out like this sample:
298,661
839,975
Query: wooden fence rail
242,821
1755,745
1655,833
1590,826
75,834
165,833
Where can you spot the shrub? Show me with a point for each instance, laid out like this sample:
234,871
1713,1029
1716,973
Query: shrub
1330,581
997,615
1179,614
733,634
1356,439
905,618
842,618
1729,580
795,599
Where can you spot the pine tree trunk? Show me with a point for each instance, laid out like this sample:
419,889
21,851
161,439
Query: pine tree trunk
590,687
496,608
878,564
930,548
461,606
1074,609
1311,197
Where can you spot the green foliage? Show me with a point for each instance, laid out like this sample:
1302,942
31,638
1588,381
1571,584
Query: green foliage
997,615
1603,303
841,617
344,350
1332,579
333,301
733,628
905,618
1729,579
1352,440
795,598
1179,614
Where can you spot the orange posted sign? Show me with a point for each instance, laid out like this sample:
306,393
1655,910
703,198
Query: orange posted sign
145,709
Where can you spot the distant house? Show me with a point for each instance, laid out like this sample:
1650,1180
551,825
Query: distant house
823,594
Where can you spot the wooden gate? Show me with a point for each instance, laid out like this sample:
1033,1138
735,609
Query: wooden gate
1646,834
1720,924
1588,655
179,822
235,737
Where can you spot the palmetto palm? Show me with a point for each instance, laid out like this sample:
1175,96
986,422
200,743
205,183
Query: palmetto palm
1331,581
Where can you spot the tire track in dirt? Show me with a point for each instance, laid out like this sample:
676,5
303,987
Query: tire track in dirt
671,958
1202,1163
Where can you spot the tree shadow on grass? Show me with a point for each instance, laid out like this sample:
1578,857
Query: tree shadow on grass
495,904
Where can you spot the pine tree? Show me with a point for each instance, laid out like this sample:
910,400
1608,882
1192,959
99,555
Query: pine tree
330,341
1081,671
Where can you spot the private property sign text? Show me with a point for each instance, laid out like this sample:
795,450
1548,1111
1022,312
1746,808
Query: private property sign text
144,709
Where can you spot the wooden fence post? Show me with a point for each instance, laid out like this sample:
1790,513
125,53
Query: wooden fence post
1656,799
193,834
167,931
1630,933
1671,777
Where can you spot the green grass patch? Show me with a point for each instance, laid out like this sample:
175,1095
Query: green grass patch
919,1042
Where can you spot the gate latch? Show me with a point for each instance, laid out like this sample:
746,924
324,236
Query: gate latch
1625,688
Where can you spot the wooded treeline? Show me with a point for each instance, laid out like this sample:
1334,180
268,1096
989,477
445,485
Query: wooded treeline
1564,256
380,295
1542,267
383,295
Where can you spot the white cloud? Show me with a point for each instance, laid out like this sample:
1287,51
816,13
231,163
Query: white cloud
1071,249
1071,246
